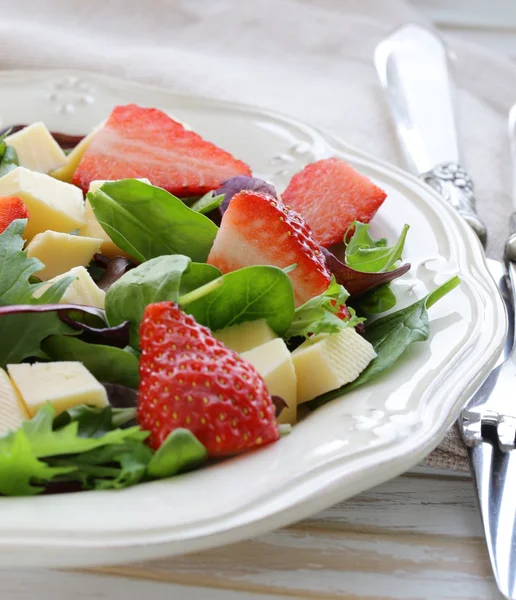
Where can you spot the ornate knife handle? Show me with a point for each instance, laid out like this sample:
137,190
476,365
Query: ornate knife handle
453,183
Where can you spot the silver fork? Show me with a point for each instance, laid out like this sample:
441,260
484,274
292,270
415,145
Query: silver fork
489,428
412,64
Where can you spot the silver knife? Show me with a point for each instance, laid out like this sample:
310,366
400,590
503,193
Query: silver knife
412,64
413,67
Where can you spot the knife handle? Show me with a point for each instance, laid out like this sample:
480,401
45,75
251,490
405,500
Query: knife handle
453,183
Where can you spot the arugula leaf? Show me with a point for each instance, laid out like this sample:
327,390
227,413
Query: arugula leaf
94,421
8,155
21,334
319,314
365,254
181,451
105,363
377,301
27,456
207,203
20,469
248,294
391,336
110,467
162,278
147,221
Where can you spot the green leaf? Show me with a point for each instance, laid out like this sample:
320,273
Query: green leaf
319,314
94,421
21,473
207,203
105,363
248,294
45,441
365,254
148,222
162,278
377,301
391,336
8,156
181,451
110,467
22,334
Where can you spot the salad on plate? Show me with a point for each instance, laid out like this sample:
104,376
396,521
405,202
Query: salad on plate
161,307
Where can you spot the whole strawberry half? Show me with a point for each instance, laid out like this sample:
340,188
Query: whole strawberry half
191,380
257,229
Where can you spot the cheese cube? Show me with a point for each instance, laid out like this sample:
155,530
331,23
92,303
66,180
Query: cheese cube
246,336
274,363
327,361
66,172
63,384
52,204
60,252
37,149
12,408
92,227
83,290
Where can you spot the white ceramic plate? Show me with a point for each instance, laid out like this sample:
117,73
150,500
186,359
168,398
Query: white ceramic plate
350,444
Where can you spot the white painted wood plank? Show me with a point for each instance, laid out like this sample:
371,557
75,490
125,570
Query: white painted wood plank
56,585
411,505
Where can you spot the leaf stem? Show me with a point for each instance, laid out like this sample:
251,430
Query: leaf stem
200,292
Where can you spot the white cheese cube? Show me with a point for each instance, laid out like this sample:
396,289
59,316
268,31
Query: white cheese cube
83,290
60,252
63,384
37,149
52,204
326,361
92,227
274,363
12,408
245,336
66,172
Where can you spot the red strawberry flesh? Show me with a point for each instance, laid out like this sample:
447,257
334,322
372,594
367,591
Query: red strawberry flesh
138,142
191,380
11,208
258,230
330,195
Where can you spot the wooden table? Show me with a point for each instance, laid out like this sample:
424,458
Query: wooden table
417,537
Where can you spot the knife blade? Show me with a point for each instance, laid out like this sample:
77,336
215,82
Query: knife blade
412,64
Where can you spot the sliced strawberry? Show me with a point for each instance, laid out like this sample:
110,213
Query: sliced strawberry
330,195
189,379
138,142
11,208
258,230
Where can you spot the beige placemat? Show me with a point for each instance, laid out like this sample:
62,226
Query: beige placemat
307,58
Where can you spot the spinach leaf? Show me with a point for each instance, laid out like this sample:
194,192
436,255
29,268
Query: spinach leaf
94,421
163,278
319,314
147,221
365,254
377,301
105,363
207,203
181,451
249,294
391,336
8,156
